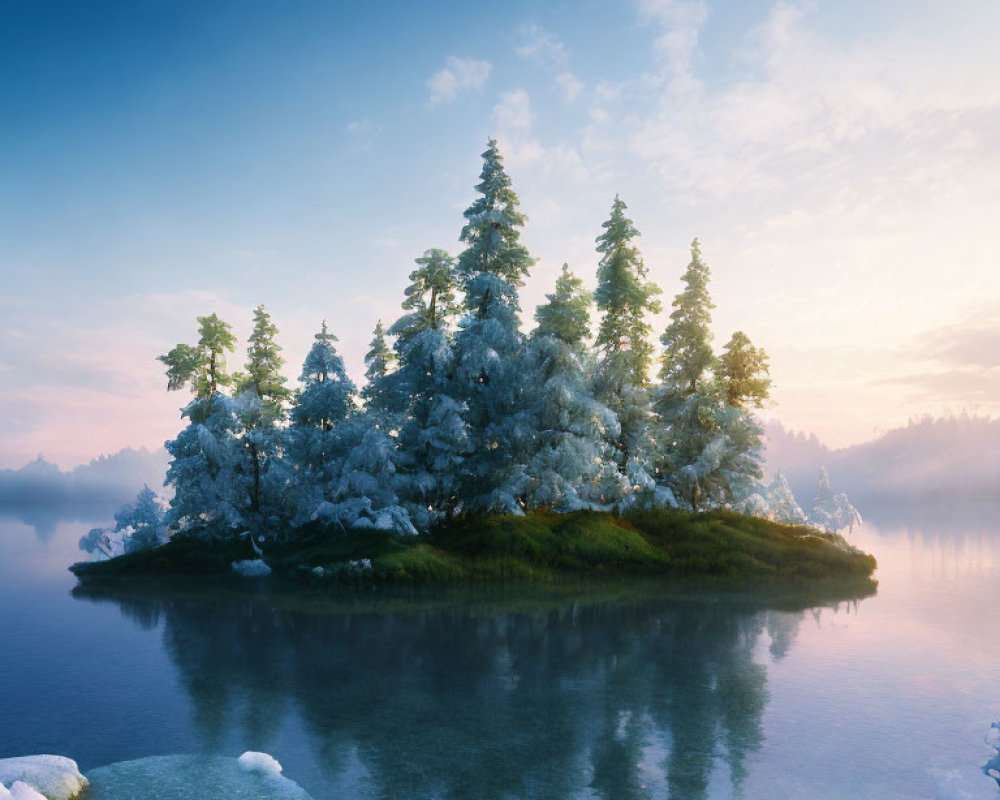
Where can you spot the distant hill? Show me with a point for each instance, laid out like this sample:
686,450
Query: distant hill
105,481
952,459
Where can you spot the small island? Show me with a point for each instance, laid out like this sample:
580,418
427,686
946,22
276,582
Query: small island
478,452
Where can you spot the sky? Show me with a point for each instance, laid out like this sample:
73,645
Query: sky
164,159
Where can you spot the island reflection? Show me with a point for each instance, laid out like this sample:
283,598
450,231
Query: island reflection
481,696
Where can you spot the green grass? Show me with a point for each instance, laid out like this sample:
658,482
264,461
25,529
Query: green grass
541,547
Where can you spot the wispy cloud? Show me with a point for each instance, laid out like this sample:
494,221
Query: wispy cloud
570,85
541,46
458,75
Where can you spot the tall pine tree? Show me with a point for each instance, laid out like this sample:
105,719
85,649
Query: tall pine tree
626,296
566,469
206,452
490,375
432,441
260,406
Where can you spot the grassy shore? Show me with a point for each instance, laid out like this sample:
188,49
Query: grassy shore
540,547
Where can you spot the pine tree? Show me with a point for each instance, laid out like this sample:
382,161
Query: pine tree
317,441
709,449
824,508
744,373
782,502
566,469
379,359
432,440
381,394
260,405
625,295
206,451
490,378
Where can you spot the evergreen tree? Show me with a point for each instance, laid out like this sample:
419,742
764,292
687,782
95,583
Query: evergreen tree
381,392
317,439
824,508
709,442
567,467
832,512
625,296
432,440
782,502
430,298
744,373
206,451
490,377
202,366
259,405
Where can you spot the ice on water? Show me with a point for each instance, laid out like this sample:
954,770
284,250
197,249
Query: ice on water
254,776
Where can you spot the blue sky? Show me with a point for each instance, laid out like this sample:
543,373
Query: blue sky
161,160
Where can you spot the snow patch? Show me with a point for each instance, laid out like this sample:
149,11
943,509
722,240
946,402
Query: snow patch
54,777
253,568
261,763
21,791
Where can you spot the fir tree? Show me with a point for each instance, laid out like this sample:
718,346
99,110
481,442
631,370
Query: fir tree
566,469
782,502
430,298
260,405
381,393
490,375
625,296
317,441
432,440
744,373
824,507
206,451
709,447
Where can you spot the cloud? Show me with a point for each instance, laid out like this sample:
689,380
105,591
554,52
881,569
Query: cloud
681,21
513,112
570,85
541,47
973,345
458,75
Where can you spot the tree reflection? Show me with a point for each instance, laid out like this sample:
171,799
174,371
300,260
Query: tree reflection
620,699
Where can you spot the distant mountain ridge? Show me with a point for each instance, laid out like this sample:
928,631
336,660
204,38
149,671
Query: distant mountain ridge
949,459
105,481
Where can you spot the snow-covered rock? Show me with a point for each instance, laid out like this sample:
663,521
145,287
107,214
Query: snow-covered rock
181,777
261,763
54,777
253,568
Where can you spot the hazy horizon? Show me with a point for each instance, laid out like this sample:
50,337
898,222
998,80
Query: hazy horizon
836,161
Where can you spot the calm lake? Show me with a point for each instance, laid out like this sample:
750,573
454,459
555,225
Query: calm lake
503,695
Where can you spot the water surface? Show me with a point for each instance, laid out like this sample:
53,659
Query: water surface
605,695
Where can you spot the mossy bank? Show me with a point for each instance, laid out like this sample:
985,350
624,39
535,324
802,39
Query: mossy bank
539,547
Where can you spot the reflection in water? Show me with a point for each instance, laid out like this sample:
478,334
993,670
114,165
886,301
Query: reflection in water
650,697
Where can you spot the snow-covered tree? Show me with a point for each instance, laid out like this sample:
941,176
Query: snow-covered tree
143,520
825,513
625,296
316,441
566,470
261,395
710,441
692,447
381,392
433,440
206,452
847,515
782,503
489,377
